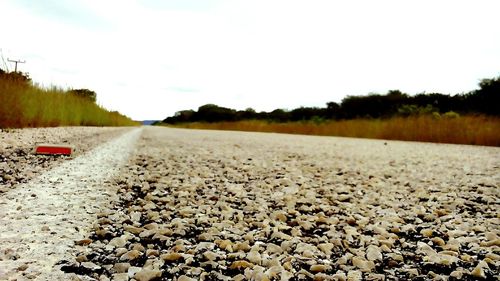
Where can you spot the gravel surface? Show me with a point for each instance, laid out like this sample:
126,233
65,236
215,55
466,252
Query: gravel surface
40,220
211,205
18,164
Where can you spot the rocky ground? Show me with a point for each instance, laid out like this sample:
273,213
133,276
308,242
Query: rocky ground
208,205
41,219
19,165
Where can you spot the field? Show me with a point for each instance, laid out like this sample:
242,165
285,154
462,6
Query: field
469,129
23,104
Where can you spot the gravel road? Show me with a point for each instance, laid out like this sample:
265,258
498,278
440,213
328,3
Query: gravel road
19,165
212,205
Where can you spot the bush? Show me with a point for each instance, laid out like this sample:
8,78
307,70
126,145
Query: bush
451,115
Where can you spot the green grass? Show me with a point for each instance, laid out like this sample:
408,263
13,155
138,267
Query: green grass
27,105
470,129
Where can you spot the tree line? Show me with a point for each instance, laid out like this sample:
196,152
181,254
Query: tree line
485,100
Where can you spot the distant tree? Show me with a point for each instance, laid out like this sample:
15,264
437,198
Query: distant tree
306,113
246,114
279,115
487,98
214,113
84,93
333,110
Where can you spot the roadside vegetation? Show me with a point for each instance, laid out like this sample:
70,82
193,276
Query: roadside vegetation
25,104
470,118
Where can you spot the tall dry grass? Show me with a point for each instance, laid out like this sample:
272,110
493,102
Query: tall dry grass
476,130
27,105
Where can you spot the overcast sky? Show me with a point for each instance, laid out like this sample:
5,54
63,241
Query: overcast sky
151,58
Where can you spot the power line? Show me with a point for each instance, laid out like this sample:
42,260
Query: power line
16,62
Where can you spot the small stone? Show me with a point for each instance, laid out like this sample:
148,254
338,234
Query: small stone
254,257
364,265
133,270
375,277
120,251
442,212
326,248
223,244
120,277
138,247
493,256
118,242
81,258
438,241
152,253
373,253
495,242
90,265
22,267
210,256
315,268
131,255
121,267
171,257
133,229
351,221
413,272
457,274
147,233
101,233
392,263
241,264
45,228
83,242
427,232
339,276
243,246
147,275
479,270
354,275
185,278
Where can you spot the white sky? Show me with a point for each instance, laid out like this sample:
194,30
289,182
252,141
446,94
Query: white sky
151,58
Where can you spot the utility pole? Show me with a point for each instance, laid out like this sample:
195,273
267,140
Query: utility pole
16,62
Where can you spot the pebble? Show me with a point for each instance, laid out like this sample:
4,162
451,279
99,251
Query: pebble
90,265
479,270
22,267
83,242
354,275
241,264
120,277
171,257
131,255
373,253
121,267
81,258
118,242
315,268
427,232
254,257
362,264
147,275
